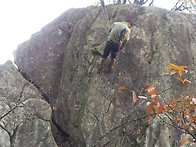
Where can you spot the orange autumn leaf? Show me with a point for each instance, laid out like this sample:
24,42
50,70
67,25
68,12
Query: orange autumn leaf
186,127
170,107
162,109
181,100
194,118
147,89
182,67
167,108
184,100
148,84
183,141
153,91
187,99
149,108
121,88
155,100
171,66
189,117
150,90
183,81
191,107
170,101
173,106
180,73
179,69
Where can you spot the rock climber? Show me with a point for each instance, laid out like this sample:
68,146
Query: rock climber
117,39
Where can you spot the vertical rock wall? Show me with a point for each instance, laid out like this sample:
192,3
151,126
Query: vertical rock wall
60,61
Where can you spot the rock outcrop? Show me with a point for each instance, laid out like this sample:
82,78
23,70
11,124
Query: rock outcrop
24,115
87,109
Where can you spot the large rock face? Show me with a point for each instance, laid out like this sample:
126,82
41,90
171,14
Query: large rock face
60,61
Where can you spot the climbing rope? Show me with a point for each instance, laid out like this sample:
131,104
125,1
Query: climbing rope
108,26
114,70
105,14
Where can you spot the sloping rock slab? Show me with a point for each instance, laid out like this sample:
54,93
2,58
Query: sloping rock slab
24,115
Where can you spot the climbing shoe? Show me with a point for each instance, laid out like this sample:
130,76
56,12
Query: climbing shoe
112,63
101,66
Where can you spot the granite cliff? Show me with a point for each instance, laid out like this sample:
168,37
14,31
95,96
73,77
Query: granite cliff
83,107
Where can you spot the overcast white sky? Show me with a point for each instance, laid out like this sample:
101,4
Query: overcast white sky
19,19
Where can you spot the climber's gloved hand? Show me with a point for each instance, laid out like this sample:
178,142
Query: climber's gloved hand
119,48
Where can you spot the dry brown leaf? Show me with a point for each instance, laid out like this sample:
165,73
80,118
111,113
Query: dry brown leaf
156,109
121,88
186,127
170,101
183,141
134,97
148,84
149,107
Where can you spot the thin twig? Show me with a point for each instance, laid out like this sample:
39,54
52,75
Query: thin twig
12,109
176,127
123,122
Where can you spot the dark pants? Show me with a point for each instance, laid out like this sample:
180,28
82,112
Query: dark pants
110,47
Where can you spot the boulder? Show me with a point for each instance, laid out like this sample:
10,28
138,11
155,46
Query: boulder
61,61
25,116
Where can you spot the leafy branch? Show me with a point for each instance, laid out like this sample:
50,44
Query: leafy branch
180,113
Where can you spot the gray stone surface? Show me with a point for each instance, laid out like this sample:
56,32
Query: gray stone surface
59,60
24,115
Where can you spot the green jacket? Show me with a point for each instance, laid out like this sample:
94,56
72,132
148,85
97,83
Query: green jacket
120,33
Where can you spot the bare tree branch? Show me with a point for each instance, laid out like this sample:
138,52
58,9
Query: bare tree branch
12,109
1,126
151,3
123,122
